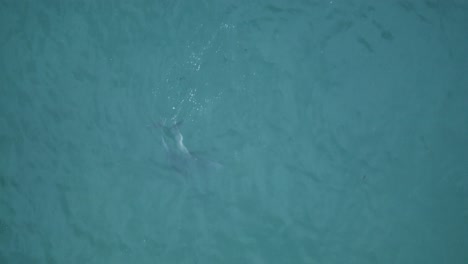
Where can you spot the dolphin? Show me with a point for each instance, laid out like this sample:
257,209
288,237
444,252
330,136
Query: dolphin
180,159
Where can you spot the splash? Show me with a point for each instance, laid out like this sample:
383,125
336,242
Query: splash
178,156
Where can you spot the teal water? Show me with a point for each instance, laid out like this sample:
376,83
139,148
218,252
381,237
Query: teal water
318,131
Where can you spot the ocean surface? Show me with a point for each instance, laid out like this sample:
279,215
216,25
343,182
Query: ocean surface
234,131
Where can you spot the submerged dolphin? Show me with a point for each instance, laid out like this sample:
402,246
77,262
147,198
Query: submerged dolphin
179,157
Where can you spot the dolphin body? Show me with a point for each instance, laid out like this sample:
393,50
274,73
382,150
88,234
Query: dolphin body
178,156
